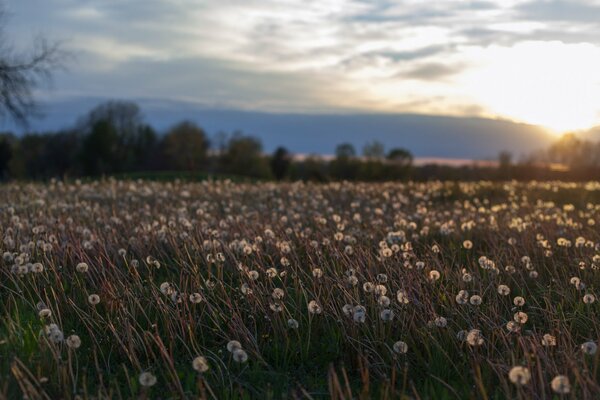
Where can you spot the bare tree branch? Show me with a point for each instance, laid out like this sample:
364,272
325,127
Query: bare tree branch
22,73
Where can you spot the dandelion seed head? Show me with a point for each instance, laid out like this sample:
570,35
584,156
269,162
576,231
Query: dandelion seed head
314,307
475,338
240,356
560,384
589,348
200,364
93,299
147,379
82,267
400,347
519,375
73,341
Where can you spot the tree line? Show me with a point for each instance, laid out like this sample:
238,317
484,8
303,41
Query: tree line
113,139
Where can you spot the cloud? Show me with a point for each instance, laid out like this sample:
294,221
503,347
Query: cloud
571,11
378,55
432,71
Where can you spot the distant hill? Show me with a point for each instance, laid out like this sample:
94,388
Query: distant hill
424,135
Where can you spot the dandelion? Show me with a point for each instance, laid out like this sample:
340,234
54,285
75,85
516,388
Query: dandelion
82,267
589,348
73,341
503,290
200,364
166,288
45,313
400,347
548,340
233,345
519,375
278,294
386,315
93,299
195,298
245,289
462,297
560,384
521,317
402,297
368,287
147,379
292,323
475,300
434,275
467,244
253,275
589,298
383,301
360,314
533,274
380,290
467,277
314,307
440,322
518,301
513,327
37,268
347,309
317,273
53,333
240,356
474,337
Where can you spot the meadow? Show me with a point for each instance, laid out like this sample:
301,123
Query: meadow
227,290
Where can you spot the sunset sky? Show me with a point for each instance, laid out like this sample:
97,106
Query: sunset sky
529,61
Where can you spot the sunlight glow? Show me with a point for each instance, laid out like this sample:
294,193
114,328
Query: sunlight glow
552,84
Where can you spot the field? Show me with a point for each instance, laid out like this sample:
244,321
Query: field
221,290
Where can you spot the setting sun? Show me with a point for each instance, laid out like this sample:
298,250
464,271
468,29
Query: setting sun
551,84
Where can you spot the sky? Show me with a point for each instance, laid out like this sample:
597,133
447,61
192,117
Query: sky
535,62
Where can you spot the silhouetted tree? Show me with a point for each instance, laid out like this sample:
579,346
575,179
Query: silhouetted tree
185,146
345,165
280,163
400,156
374,150
6,153
244,157
504,164
61,154
345,150
99,149
132,142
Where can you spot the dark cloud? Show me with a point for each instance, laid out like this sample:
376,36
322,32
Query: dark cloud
432,72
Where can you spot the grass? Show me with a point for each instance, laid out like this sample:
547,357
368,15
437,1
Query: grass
149,245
